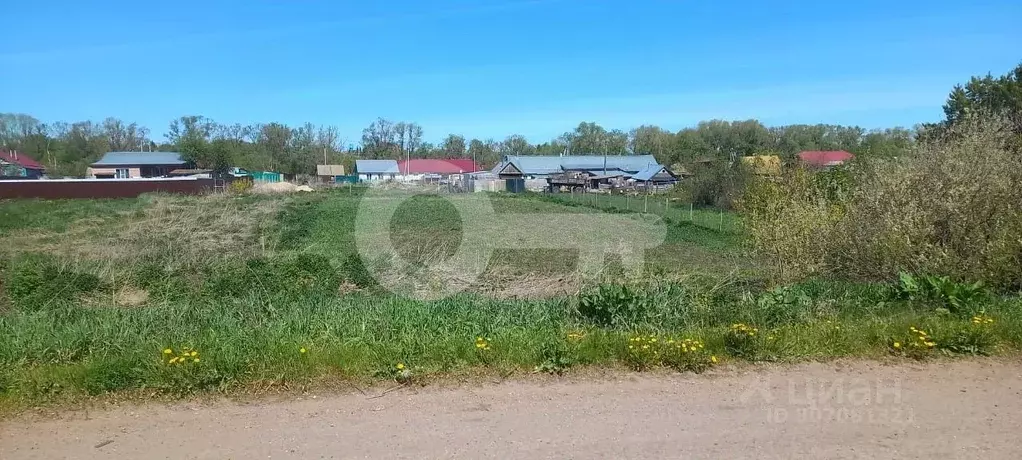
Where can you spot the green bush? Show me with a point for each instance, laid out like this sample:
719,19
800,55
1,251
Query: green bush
784,305
945,293
615,305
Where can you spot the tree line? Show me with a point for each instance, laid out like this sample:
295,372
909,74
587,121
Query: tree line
68,148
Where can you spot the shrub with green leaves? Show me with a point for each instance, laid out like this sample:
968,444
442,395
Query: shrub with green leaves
942,291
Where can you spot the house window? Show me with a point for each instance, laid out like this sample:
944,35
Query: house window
122,173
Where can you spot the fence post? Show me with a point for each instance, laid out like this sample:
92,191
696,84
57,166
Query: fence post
645,202
667,203
691,214
626,203
720,227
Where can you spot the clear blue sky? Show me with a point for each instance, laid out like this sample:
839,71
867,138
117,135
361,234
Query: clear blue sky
491,68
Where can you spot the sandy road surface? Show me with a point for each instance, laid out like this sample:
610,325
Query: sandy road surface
851,410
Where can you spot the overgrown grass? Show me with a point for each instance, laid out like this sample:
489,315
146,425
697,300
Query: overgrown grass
65,350
293,282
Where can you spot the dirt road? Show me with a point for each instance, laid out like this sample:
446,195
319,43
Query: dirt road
852,410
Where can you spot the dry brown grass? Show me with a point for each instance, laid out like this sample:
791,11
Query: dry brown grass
176,230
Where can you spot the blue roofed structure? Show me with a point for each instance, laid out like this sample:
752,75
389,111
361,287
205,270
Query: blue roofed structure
370,170
139,159
655,173
131,165
539,166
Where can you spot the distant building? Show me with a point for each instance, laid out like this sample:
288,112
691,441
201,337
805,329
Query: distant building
542,166
436,166
655,176
763,165
373,170
19,166
824,159
583,171
132,165
329,170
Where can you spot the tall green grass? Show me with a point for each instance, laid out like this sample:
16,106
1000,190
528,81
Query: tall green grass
65,350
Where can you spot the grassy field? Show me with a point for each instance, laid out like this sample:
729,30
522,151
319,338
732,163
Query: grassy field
167,295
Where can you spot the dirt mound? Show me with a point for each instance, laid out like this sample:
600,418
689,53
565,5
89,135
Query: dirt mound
280,187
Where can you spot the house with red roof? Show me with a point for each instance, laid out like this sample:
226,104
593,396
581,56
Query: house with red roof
824,158
427,166
15,165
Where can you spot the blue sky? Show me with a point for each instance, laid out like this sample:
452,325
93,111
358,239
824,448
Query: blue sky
492,68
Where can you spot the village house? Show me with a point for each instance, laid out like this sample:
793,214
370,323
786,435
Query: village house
587,171
133,165
14,165
824,158
375,170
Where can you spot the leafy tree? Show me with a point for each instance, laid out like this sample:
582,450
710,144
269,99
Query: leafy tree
483,153
1001,96
516,144
652,140
589,138
453,147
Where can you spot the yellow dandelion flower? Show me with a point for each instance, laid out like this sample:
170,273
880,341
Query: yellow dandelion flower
897,344
930,344
193,354
631,347
195,360
400,366
302,350
167,351
713,359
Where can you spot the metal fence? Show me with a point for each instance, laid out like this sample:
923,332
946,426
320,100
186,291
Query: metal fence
102,188
659,204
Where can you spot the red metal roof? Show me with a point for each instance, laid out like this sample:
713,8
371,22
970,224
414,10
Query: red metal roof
825,157
429,166
20,159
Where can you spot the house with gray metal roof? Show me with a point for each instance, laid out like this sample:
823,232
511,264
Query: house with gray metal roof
655,173
130,165
543,166
372,170
588,171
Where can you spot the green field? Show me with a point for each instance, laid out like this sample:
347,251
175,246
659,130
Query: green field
269,292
